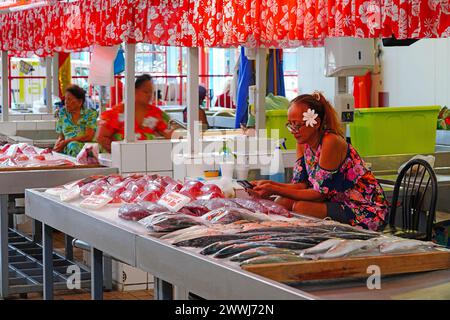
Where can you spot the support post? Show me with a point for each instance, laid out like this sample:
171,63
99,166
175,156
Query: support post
130,135
5,87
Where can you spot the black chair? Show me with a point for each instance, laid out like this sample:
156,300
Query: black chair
416,192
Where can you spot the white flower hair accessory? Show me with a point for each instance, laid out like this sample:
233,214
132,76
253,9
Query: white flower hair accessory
310,118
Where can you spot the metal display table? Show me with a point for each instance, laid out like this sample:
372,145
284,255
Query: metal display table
129,242
179,271
15,182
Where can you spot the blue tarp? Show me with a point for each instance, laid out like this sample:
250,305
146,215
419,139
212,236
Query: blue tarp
246,78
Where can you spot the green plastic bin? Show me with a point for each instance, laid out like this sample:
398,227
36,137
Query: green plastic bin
276,119
394,130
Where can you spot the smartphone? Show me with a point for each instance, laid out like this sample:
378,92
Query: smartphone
245,184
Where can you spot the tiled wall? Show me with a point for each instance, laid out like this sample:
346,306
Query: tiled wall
22,117
143,157
10,128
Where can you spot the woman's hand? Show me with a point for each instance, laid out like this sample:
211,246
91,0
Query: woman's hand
264,189
60,145
257,183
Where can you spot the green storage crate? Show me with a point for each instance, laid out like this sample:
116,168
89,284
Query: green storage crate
276,119
394,130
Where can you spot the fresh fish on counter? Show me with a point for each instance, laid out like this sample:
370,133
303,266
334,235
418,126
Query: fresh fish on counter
273,258
227,215
351,235
167,222
258,252
217,246
346,247
191,233
291,229
203,241
236,248
399,245
323,246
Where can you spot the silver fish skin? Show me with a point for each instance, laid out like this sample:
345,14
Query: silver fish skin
323,246
259,252
273,258
399,245
346,247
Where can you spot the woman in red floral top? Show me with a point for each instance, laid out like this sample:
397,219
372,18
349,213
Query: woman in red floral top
150,120
330,178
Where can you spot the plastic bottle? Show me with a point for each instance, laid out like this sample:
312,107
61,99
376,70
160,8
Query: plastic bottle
276,170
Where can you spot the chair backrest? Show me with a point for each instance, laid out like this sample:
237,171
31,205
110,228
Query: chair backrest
416,192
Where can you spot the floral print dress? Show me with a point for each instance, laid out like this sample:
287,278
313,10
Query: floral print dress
66,126
351,186
155,120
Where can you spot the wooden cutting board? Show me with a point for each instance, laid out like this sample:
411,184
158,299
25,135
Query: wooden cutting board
352,267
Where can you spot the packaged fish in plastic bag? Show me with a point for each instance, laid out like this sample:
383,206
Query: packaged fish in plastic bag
71,194
134,212
229,215
89,154
150,195
251,204
274,208
114,192
196,208
129,196
217,203
168,222
192,189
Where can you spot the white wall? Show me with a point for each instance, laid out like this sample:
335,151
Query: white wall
311,73
413,76
418,74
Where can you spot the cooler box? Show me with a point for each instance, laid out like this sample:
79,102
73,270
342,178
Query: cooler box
276,119
394,130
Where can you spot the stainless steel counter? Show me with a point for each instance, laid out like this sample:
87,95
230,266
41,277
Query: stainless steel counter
15,182
184,270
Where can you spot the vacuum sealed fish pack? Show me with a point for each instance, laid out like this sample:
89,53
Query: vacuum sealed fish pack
168,222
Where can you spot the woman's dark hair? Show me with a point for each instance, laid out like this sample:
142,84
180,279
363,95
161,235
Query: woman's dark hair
140,80
201,94
328,117
77,92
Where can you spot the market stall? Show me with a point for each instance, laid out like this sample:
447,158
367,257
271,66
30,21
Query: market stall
196,250
30,167
105,24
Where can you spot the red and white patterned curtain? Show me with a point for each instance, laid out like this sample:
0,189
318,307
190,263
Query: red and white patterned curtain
219,23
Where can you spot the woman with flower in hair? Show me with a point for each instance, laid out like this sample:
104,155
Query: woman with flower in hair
330,178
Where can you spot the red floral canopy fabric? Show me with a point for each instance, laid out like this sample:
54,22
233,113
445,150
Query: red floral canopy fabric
218,23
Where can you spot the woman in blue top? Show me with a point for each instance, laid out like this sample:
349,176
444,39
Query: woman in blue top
76,123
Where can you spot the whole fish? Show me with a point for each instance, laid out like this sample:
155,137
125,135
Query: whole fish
273,258
352,235
217,246
323,246
236,248
404,245
258,252
206,240
346,247
288,229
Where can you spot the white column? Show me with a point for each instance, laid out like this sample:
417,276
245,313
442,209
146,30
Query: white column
5,89
55,74
48,78
130,52
261,78
192,97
